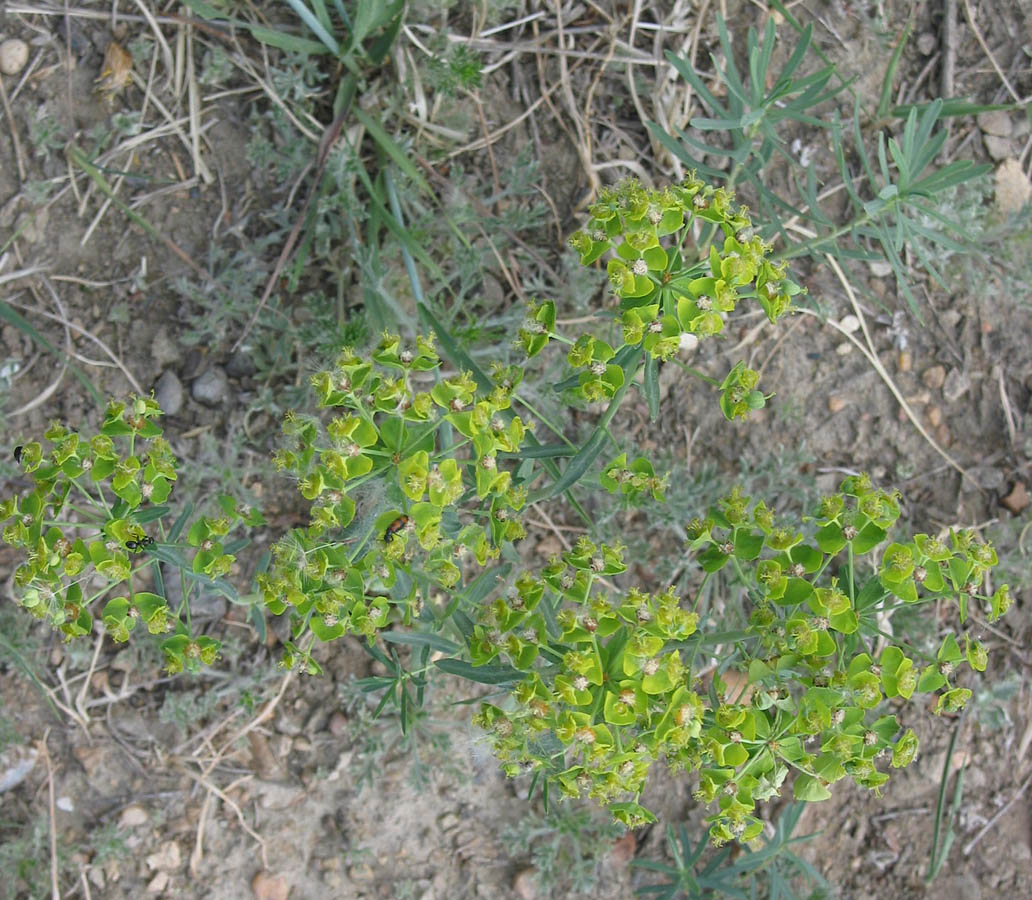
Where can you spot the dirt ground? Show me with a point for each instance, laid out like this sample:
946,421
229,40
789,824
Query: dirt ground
164,787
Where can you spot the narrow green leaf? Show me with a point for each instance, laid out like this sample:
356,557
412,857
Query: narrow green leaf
480,674
652,386
321,32
885,98
420,639
390,147
685,70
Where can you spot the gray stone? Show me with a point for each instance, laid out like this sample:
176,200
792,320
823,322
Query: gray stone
998,148
211,387
996,122
956,385
240,365
164,350
169,392
926,43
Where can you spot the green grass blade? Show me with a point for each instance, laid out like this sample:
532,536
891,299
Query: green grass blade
951,108
685,70
270,36
885,98
306,16
322,14
729,75
20,661
390,147
542,451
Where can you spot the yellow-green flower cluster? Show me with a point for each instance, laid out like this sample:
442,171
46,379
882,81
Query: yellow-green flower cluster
437,448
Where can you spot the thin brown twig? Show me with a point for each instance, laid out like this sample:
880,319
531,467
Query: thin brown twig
1007,413
872,357
63,319
970,845
13,127
985,48
55,887
202,779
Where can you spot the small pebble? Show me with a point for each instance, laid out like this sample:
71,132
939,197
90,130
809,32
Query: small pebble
16,761
164,350
849,324
1013,189
836,404
338,723
133,816
525,884
168,391
166,858
211,387
933,377
623,849
240,365
266,886
1017,500
934,415
995,122
956,385
14,54
943,436
844,349
905,361
989,477
926,43
998,148
448,821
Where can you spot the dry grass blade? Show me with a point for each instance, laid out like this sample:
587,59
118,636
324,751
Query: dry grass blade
49,390
64,321
872,357
166,50
202,169
970,845
205,782
55,887
13,131
985,48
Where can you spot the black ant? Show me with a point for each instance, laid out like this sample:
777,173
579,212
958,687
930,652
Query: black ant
138,545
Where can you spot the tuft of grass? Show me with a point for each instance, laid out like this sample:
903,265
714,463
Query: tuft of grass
888,174
566,845
774,870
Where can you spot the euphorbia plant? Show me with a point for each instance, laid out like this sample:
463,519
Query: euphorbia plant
86,519
417,481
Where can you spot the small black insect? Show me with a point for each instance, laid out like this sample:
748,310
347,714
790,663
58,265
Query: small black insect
139,544
17,454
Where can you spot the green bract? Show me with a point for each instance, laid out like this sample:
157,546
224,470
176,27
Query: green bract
67,546
813,698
